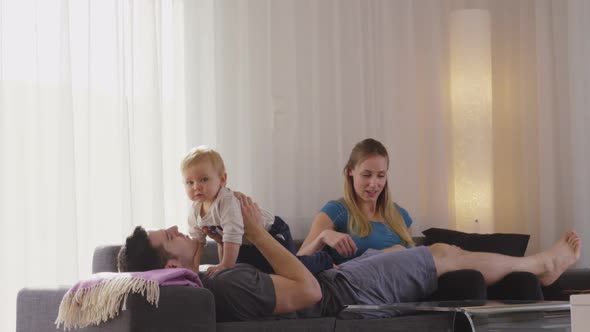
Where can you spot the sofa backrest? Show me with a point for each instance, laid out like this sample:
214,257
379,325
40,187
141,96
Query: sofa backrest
105,257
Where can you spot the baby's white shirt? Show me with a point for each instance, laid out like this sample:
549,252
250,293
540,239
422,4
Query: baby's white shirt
226,213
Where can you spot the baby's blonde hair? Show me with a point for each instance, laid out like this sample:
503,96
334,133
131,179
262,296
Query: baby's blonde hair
202,153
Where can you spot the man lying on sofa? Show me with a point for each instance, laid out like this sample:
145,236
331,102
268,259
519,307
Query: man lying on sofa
244,293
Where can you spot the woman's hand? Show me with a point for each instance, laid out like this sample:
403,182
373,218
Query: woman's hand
341,242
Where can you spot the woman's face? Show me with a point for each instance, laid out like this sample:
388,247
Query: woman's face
369,177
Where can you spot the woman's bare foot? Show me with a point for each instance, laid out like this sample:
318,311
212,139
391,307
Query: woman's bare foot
564,253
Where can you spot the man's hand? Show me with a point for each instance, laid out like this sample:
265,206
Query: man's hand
294,286
250,214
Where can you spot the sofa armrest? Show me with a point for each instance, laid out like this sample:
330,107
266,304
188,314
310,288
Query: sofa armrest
180,308
36,309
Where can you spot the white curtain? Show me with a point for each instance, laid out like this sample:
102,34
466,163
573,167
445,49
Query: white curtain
93,126
563,88
307,79
100,99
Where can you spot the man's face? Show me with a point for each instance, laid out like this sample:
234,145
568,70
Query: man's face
180,246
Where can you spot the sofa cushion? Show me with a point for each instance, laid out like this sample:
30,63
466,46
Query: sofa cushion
324,324
501,243
517,286
432,322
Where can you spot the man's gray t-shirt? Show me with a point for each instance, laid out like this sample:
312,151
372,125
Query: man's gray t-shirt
244,293
241,293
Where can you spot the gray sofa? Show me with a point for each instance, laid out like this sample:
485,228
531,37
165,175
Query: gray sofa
193,309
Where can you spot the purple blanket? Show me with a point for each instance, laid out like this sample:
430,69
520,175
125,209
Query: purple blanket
95,300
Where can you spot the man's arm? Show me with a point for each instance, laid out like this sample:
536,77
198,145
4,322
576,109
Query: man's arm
295,287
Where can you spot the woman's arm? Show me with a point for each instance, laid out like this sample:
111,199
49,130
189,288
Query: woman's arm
323,233
313,241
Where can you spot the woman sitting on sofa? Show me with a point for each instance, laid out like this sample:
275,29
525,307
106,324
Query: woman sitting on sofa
367,218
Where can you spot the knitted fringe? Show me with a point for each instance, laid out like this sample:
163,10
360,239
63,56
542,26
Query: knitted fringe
92,306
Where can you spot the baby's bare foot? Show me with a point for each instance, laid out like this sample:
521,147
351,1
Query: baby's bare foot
564,253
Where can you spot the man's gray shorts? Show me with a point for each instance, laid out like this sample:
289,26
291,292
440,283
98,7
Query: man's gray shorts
391,277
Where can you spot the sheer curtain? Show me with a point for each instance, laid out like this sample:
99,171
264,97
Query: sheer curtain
564,120
100,99
93,125
307,79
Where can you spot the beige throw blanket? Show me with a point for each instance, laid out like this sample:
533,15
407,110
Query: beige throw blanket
100,298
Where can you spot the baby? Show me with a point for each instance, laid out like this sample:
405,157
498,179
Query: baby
216,213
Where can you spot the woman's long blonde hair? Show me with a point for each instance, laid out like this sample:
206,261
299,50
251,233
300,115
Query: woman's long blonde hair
357,221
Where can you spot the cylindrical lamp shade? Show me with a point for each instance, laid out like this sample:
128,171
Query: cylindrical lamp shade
471,104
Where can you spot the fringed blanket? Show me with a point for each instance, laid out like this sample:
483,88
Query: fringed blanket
93,301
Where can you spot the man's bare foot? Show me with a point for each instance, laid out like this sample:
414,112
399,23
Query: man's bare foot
564,253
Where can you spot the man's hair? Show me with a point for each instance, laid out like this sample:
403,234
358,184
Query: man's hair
203,153
138,254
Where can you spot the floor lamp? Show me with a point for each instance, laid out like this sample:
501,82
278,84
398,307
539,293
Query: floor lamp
471,104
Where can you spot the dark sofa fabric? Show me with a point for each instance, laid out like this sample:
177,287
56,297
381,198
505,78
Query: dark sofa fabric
460,285
575,281
325,324
500,243
431,322
517,286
